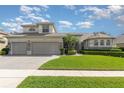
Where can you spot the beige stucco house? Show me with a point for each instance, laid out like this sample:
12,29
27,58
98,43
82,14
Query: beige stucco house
120,41
43,39
3,39
98,40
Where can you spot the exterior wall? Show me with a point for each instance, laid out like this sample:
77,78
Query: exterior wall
35,39
121,45
89,44
52,30
38,29
26,29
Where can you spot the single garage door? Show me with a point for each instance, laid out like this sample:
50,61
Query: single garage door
40,48
19,48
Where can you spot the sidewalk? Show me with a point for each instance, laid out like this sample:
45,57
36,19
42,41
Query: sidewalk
11,78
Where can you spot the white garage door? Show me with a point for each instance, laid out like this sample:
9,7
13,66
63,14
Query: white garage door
40,48
18,48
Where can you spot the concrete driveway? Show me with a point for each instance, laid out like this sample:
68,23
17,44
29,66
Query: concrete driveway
23,62
14,69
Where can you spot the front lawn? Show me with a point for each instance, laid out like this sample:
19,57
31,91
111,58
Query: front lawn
86,62
72,82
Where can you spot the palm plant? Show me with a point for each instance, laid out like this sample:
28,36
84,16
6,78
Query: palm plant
70,42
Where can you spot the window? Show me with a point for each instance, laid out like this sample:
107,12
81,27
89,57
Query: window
45,28
31,29
108,42
95,42
101,42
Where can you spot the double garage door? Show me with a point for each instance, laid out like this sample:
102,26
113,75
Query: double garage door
36,48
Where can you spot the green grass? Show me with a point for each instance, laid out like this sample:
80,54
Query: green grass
72,82
85,62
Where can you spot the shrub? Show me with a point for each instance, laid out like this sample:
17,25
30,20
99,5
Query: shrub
97,49
5,50
71,52
122,48
2,53
62,51
116,49
106,53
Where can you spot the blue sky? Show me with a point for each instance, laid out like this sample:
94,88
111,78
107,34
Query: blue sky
109,19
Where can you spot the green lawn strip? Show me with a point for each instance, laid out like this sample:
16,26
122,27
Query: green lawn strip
72,82
85,62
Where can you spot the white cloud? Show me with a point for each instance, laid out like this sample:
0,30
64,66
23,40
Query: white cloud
25,9
44,7
115,8
65,24
85,24
35,18
97,13
19,20
120,20
102,13
12,26
9,24
71,7
48,16
37,9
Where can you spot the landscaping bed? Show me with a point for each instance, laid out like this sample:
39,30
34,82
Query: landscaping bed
72,82
85,62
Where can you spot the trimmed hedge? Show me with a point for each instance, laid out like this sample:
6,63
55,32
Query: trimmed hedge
122,48
71,52
112,49
106,53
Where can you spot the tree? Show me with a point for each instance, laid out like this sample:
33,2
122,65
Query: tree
70,42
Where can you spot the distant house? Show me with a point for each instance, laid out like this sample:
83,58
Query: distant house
3,40
120,41
43,39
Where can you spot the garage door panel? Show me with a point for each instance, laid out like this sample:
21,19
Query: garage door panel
39,48
19,48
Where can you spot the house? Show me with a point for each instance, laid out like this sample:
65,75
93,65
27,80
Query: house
120,41
3,39
98,40
43,39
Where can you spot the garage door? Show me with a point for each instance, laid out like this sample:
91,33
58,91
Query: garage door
19,48
45,48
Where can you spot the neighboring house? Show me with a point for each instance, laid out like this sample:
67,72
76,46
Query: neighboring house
3,40
43,39
98,40
120,41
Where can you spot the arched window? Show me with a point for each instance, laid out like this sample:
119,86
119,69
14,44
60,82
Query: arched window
31,29
95,42
108,42
101,42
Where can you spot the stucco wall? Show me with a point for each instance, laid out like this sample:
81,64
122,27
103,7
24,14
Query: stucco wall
35,39
89,44
38,28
